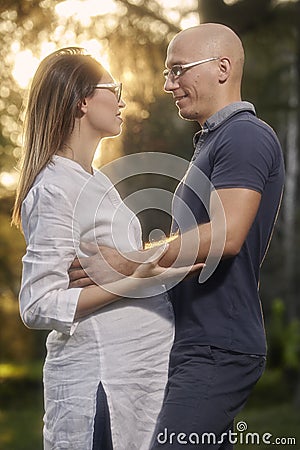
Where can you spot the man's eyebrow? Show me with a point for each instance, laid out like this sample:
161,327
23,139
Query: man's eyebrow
174,64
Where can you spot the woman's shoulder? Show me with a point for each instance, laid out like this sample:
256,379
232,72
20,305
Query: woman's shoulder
63,178
57,179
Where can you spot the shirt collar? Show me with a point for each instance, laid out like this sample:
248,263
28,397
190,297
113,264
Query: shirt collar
219,117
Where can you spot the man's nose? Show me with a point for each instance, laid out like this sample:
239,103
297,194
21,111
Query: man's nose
171,83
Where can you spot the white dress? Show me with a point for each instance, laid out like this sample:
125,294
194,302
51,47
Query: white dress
125,345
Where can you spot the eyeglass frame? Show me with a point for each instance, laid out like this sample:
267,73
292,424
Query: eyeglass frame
116,88
184,67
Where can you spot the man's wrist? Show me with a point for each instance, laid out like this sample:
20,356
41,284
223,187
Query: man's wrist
172,252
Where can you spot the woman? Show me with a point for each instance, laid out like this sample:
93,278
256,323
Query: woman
107,356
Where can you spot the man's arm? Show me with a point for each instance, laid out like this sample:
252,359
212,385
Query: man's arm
106,264
229,232
147,274
232,214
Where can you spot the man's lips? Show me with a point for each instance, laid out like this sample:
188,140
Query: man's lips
178,98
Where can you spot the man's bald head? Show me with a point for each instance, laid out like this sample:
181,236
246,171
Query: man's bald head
209,40
214,56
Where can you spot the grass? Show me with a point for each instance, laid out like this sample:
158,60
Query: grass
21,425
21,410
280,421
26,372
21,406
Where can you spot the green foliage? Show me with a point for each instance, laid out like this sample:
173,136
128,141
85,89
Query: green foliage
12,248
17,343
283,339
292,348
21,412
136,36
24,372
281,421
272,389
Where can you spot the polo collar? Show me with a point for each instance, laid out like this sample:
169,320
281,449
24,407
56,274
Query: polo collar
219,117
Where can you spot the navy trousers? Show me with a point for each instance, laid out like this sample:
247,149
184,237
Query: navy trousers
207,387
102,432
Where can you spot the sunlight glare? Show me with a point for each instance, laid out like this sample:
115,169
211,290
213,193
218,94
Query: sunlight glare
25,63
24,67
9,180
175,8
84,10
96,49
284,1
190,20
230,2
47,48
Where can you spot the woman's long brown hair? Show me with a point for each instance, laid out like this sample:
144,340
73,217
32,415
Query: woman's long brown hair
61,82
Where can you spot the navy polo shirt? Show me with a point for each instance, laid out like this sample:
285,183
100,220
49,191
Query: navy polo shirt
234,149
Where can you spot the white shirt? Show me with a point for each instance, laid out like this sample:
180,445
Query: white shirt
125,345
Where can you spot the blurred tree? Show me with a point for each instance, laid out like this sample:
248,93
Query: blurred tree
271,35
11,251
19,22
135,38
135,35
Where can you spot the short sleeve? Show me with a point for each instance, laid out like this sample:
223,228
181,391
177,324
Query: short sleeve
52,238
244,156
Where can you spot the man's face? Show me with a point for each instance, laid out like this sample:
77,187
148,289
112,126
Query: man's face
195,90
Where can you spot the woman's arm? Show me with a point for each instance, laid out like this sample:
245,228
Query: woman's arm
52,238
146,274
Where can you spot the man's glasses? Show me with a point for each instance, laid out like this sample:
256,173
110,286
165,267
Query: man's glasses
116,88
179,69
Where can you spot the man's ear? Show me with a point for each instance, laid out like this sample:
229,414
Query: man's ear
224,69
81,108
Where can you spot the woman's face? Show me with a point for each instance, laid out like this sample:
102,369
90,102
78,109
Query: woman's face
102,110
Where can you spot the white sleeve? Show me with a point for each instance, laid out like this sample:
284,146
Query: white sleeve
52,238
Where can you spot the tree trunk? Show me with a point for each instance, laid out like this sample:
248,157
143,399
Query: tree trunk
297,393
290,197
241,16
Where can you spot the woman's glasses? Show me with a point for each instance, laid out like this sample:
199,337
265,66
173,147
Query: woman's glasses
116,88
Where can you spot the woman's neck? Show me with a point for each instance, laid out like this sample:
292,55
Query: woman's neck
81,153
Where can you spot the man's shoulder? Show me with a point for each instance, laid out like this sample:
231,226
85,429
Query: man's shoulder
247,120
247,127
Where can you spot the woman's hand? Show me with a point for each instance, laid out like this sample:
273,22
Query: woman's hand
147,274
151,268
106,265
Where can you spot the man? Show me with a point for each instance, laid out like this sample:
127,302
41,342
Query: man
219,348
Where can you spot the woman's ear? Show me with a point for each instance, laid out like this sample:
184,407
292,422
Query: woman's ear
81,108
224,69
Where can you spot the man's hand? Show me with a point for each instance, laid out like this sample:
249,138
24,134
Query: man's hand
151,270
103,266
106,264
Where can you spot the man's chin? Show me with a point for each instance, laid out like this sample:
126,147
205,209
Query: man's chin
185,115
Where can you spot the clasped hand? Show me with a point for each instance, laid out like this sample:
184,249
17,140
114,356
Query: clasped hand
105,265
